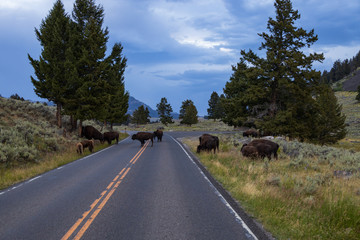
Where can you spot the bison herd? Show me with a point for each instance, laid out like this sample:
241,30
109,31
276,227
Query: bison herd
143,136
257,148
92,134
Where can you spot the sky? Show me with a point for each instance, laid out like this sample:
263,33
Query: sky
178,49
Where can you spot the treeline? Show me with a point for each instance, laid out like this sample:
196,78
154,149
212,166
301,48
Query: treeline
73,70
341,69
280,94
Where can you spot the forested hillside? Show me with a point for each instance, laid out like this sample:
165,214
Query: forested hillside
346,72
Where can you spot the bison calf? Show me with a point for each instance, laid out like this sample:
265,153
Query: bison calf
80,146
142,136
249,151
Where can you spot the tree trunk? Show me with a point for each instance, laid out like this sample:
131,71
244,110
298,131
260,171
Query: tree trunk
73,122
80,128
58,115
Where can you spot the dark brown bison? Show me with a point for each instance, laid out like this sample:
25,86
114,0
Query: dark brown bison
142,136
158,133
251,133
109,136
249,151
208,142
90,132
80,146
264,148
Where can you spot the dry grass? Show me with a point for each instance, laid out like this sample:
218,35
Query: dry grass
292,201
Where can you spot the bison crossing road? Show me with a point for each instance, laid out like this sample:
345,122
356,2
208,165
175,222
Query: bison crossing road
125,192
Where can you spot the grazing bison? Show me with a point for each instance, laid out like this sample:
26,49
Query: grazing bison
249,151
109,136
273,147
208,142
251,132
90,132
80,146
142,136
158,133
264,148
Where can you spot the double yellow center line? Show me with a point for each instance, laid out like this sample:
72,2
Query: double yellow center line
99,203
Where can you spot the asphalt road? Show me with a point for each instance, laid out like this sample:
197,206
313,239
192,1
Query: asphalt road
125,192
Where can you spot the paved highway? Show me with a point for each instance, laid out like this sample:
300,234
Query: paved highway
125,192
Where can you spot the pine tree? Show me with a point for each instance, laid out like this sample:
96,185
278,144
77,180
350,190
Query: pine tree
190,115
141,115
215,107
330,126
278,89
118,100
164,110
51,69
90,37
245,95
183,107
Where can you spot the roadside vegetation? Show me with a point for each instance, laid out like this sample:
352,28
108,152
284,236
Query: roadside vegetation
311,192
31,143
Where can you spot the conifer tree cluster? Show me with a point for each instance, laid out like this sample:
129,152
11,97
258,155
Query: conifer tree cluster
73,70
164,110
341,69
280,93
188,113
215,110
141,115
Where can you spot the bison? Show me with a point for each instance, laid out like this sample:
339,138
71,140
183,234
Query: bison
158,134
80,146
142,136
208,142
251,132
264,148
249,151
90,132
109,136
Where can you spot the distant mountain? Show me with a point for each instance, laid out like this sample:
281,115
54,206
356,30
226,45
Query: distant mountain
135,104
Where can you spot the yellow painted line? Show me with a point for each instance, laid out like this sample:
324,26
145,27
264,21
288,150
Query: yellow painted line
139,152
113,185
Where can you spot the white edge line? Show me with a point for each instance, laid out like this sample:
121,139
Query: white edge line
28,181
227,204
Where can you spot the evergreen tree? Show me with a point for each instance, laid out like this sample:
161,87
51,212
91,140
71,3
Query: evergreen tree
190,115
214,110
141,115
164,110
245,95
51,68
118,100
90,40
277,90
330,125
183,107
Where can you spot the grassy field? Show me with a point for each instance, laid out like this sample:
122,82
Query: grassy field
313,195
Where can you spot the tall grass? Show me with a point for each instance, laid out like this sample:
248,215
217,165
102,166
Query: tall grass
52,160
294,197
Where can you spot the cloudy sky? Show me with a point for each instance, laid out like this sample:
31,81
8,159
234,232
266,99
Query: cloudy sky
178,49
